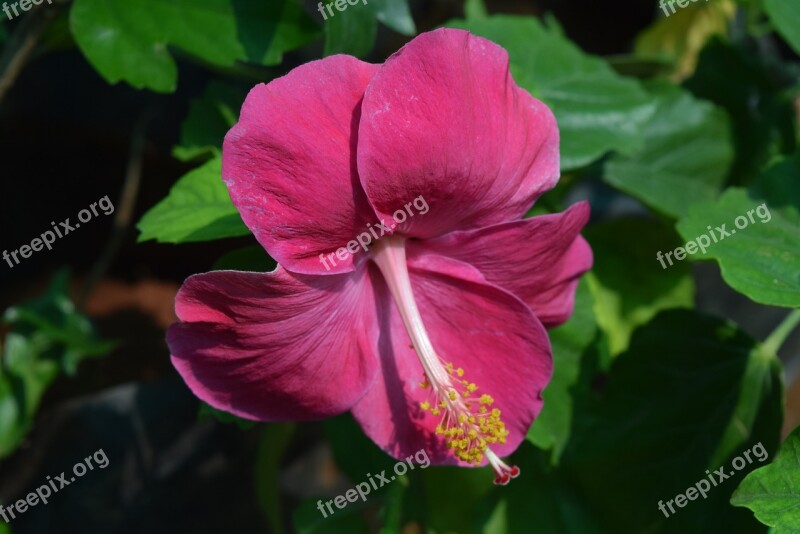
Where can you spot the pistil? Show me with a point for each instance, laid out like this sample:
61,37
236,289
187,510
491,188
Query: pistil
469,424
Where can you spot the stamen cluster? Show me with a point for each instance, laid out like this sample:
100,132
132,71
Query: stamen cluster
469,424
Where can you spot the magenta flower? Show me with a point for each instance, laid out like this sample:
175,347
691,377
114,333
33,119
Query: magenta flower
432,335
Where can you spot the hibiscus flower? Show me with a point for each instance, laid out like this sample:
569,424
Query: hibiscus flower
434,338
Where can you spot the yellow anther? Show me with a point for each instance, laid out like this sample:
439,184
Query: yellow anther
469,427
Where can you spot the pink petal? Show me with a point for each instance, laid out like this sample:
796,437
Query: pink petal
539,260
290,163
275,346
444,119
500,344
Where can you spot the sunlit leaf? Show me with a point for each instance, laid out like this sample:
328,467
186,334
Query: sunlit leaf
772,492
685,158
129,41
760,256
197,208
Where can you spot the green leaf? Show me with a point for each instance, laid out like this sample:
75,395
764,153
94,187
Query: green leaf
210,117
758,103
691,393
597,110
358,457
442,514
53,320
785,15
355,454
395,14
353,30
46,337
391,513
551,428
628,284
541,496
686,155
197,208
129,41
772,492
475,9
24,378
759,259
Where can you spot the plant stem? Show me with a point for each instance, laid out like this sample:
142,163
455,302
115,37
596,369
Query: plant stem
779,335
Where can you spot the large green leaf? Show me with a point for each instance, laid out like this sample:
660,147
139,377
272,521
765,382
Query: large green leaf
597,109
440,514
210,117
761,257
685,158
691,393
198,208
785,15
569,341
628,284
129,40
542,495
772,492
